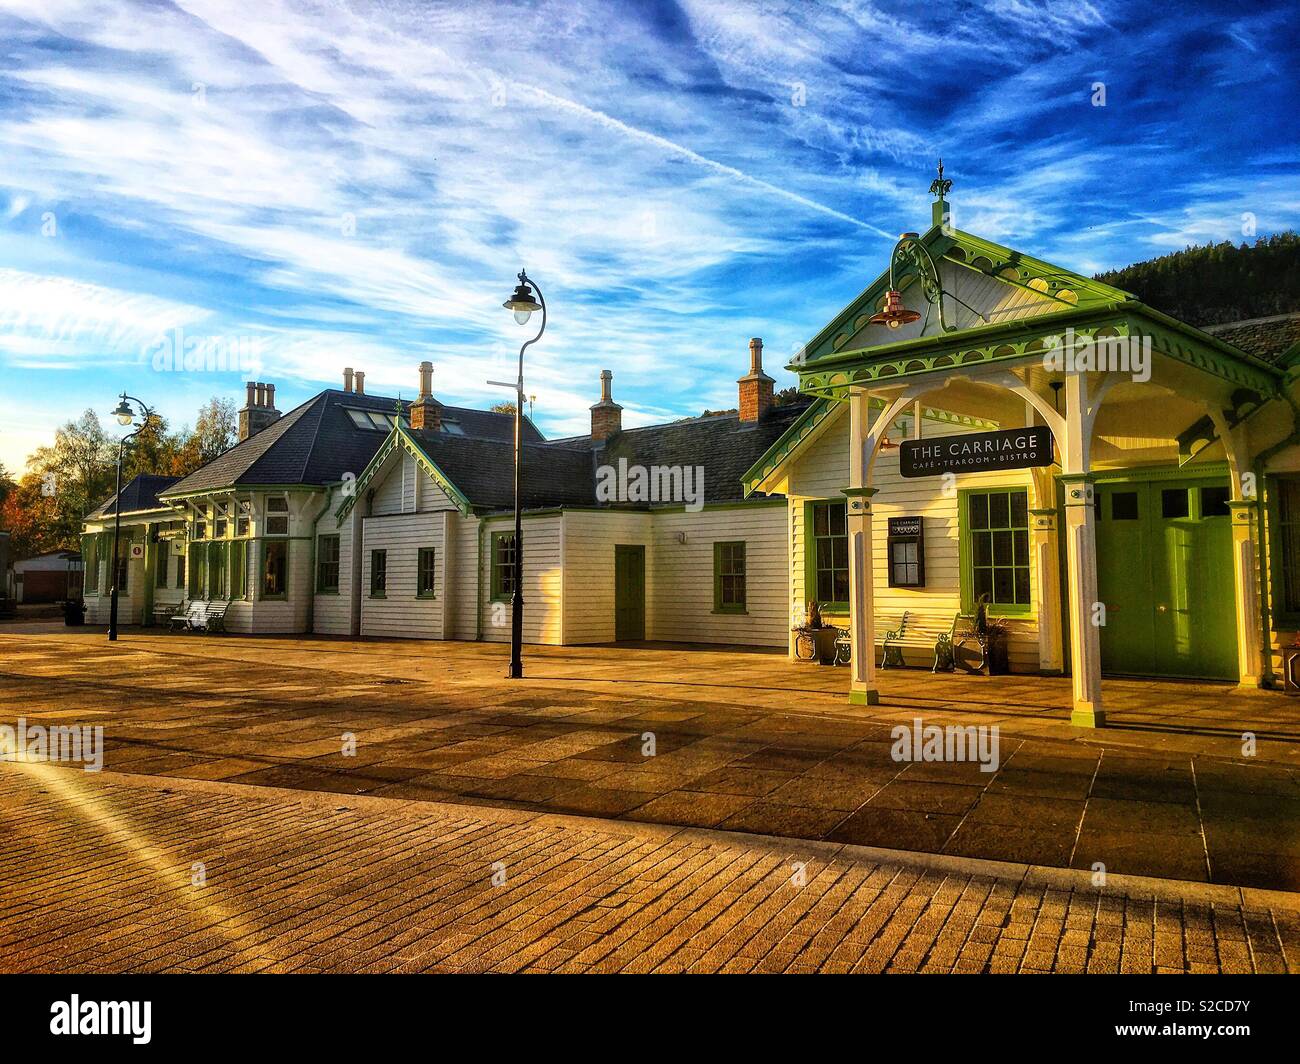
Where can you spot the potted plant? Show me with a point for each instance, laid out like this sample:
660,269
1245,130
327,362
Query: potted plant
814,640
991,632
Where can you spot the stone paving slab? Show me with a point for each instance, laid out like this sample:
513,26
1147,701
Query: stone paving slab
734,748
98,874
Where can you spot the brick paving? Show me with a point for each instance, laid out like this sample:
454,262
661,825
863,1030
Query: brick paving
743,742
97,873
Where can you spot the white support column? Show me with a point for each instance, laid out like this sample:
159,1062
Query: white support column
1249,650
862,627
1043,545
1081,556
1245,525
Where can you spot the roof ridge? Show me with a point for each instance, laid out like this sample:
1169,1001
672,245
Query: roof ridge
1217,326
306,458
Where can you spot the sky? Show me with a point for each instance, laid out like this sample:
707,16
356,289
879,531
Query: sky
292,188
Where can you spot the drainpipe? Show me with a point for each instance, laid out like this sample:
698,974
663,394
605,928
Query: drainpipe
1257,467
478,582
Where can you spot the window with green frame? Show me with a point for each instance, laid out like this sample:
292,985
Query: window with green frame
196,570
1284,532
90,562
162,562
729,577
426,573
105,580
503,565
327,565
828,553
995,549
217,561
378,573
239,569
275,568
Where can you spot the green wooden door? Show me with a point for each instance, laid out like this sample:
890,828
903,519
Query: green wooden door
629,592
1164,571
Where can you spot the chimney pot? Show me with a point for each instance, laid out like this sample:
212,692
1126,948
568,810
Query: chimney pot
259,409
607,415
426,380
756,386
347,379
359,379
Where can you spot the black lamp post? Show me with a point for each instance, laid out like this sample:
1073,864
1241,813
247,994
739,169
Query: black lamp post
523,303
125,416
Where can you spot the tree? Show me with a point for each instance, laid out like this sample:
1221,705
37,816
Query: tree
504,407
7,484
66,480
216,428
75,474
1219,282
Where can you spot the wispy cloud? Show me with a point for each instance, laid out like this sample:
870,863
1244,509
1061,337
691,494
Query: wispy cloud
356,183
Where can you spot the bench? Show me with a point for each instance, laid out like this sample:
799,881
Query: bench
200,616
931,634
163,614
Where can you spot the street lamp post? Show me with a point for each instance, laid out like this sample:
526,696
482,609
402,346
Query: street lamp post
125,416
523,303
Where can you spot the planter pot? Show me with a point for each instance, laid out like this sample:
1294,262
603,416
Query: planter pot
826,645
997,661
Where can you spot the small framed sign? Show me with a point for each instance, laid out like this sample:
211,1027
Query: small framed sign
137,550
906,552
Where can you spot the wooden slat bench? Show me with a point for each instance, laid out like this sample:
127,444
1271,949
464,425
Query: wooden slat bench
200,616
931,633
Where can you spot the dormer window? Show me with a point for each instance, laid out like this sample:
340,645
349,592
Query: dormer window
277,516
372,419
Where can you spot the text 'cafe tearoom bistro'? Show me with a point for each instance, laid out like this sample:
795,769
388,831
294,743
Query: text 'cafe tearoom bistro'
1120,488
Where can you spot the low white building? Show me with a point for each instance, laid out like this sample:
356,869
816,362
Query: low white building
362,516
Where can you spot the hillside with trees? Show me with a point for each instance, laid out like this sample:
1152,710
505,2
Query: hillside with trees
1219,283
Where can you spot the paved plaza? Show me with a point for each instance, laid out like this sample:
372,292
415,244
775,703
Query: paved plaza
146,874
742,741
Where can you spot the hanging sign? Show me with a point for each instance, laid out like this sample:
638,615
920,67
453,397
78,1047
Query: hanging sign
976,452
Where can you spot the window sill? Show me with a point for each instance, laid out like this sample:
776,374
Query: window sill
275,598
327,591
428,595
724,612
377,594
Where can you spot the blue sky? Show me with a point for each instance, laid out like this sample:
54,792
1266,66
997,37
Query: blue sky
331,184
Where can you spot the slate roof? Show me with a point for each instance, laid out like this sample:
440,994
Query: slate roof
722,444
141,493
563,472
1267,338
555,474
317,442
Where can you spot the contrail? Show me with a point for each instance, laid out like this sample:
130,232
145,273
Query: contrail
609,122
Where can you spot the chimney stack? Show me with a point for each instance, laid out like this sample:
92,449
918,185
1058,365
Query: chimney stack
259,409
607,415
426,412
359,382
347,379
756,386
